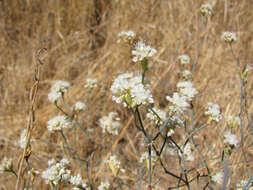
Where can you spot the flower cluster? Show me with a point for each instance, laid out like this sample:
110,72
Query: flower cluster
153,117
57,90
58,123
6,165
104,186
231,139
126,35
186,74
187,89
130,91
206,9
114,165
79,106
218,177
179,103
56,172
77,181
213,110
242,183
90,83
184,59
142,51
110,123
229,37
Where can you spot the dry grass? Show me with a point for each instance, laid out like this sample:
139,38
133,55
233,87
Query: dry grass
80,37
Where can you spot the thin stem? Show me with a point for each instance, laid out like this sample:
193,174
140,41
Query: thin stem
149,168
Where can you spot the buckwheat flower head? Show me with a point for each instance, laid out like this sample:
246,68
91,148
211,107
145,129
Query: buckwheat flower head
90,83
186,74
129,90
57,173
104,186
242,183
184,59
110,123
176,121
57,90
142,51
153,117
126,35
213,110
79,106
179,103
58,123
206,9
6,165
77,181
229,37
231,139
187,90
218,177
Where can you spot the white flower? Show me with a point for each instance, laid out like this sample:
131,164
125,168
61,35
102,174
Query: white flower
170,132
229,37
113,160
213,110
187,150
90,83
187,90
153,117
77,181
104,186
206,9
57,90
179,103
110,123
57,172
142,51
218,177
241,184
186,74
126,35
184,59
6,165
130,91
231,139
22,139
79,106
58,123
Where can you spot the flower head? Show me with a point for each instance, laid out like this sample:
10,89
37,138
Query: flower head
231,139
90,83
213,110
184,59
126,35
57,90
187,90
77,181
79,106
229,37
179,103
153,117
142,51
58,123
218,177
110,123
242,184
186,74
130,91
206,9
114,165
104,186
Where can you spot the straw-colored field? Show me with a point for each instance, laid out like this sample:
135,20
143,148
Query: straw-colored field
78,40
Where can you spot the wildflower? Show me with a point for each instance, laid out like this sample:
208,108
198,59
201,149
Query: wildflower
153,117
213,110
184,59
110,123
179,103
170,132
130,91
114,165
229,37
57,172
242,184
231,139
6,165
233,121
58,123
57,90
79,106
176,121
218,177
187,90
142,51
206,9
186,74
104,186
90,83
126,35
77,181
187,151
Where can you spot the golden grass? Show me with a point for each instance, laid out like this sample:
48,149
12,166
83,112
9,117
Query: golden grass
80,37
